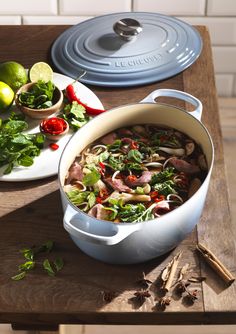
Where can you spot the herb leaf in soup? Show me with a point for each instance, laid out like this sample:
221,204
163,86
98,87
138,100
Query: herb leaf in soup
91,178
135,156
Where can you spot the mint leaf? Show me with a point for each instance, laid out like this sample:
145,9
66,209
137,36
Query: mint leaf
135,155
26,266
58,263
47,266
27,253
19,276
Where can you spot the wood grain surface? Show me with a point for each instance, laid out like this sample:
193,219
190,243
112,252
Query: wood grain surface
30,213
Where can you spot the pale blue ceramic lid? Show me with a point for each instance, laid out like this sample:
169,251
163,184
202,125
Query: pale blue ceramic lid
161,46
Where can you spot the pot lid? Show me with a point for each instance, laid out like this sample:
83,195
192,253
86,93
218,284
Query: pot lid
126,49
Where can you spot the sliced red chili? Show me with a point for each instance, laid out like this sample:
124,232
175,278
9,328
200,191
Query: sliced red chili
159,199
134,145
53,125
54,146
101,164
99,200
153,194
131,178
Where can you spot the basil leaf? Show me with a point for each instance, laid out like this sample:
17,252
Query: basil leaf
14,126
91,178
19,276
27,253
116,163
16,147
58,263
25,161
47,266
135,155
26,266
114,146
39,96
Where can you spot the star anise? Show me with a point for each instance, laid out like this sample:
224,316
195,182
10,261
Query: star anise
181,287
142,295
144,282
108,296
192,295
165,301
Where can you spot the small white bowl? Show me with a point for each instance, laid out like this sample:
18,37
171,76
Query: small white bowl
51,136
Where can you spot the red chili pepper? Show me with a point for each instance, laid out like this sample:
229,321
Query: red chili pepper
131,178
99,200
54,146
103,194
134,145
160,198
71,95
153,194
101,164
53,125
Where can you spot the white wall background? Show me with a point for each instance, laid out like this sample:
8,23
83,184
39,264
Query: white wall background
218,15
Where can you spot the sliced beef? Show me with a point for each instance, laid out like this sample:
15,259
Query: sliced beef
184,166
118,184
74,173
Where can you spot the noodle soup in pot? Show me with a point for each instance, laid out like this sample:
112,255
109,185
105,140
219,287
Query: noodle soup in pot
136,173
134,180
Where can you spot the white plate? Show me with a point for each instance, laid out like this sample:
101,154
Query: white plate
46,164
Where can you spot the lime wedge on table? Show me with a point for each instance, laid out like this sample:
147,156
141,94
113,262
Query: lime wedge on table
40,71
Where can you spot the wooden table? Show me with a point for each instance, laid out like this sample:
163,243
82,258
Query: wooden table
31,214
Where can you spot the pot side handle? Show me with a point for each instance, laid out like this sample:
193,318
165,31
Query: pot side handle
197,112
119,232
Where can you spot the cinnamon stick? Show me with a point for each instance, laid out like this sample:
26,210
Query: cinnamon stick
215,263
169,272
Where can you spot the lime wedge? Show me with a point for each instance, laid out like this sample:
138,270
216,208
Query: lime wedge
40,71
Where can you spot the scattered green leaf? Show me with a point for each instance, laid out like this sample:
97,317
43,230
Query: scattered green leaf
47,266
58,263
19,276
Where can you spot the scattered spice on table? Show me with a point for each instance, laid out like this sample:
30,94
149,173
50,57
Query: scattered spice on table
216,264
169,272
143,282
108,296
164,301
141,296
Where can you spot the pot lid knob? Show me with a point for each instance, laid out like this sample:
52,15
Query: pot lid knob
127,28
